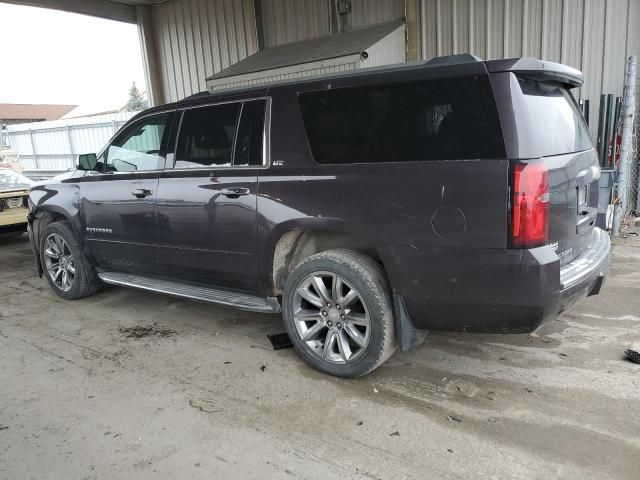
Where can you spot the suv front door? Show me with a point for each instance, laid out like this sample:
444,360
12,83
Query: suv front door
117,205
207,202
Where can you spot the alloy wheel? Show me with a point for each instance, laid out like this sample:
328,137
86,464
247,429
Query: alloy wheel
59,262
331,317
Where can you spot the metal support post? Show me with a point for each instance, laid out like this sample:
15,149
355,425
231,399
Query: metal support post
627,126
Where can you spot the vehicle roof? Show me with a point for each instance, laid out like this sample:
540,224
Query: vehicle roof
531,66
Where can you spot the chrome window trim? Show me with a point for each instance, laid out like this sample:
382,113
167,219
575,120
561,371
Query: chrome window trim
266,131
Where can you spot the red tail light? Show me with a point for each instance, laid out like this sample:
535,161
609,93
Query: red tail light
530,222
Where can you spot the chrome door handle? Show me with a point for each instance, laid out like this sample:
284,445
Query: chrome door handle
141,192
234,192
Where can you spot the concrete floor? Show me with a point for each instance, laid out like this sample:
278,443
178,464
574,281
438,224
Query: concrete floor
206,397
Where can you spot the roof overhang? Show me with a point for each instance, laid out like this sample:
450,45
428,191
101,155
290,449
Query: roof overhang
326,49
121,10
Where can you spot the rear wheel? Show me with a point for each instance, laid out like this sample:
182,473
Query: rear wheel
67,270
337,311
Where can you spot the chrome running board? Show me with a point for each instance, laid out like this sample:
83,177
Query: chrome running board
204,294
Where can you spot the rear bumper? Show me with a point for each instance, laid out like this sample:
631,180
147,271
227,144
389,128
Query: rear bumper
585,275
494,290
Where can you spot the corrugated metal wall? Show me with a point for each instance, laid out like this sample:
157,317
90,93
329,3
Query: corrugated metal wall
286,21
368,12
197,38
595,36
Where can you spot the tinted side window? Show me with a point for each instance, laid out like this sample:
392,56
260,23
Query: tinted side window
250,130
554,118
454,118
206,136
138,147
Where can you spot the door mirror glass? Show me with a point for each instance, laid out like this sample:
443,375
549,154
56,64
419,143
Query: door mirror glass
87,161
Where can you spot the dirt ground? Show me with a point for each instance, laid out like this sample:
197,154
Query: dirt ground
133,385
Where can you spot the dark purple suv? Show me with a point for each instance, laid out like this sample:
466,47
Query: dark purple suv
368,207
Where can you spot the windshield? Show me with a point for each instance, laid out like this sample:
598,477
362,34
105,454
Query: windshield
10,180
557,124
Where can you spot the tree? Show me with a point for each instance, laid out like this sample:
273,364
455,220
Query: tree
136,100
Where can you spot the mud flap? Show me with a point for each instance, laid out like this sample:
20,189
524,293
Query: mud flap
408,336
32,242
597,286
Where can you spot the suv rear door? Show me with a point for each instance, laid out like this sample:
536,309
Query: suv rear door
207,198
550,130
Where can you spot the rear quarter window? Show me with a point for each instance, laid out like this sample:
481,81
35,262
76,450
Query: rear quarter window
557,126
443,119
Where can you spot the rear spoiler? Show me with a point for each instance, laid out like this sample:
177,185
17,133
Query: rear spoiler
539,69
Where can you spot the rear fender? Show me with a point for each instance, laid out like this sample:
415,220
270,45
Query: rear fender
304,225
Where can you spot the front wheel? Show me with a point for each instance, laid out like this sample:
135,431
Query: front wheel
67,270
338,312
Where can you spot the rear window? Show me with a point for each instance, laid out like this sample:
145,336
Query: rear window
444,119
556,123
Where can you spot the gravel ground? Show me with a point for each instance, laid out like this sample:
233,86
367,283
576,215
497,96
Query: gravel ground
128,384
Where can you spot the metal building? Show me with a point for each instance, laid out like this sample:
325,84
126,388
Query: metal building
595,36
187,41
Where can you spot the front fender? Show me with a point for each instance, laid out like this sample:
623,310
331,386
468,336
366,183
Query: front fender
58,200
50,202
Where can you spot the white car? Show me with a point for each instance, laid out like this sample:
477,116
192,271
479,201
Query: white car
14,195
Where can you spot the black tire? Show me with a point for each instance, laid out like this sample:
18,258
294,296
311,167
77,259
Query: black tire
85,281
368,278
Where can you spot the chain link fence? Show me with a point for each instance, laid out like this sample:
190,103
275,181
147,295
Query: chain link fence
633,178
627,194
634,168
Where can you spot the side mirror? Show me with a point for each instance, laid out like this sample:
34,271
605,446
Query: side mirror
87,161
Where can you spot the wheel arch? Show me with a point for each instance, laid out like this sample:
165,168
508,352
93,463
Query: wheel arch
294,241
39,219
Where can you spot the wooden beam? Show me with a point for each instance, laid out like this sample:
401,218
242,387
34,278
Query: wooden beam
413,16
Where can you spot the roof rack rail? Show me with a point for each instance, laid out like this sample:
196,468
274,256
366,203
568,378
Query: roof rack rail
453,60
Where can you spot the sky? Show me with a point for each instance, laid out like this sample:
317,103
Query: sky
49,56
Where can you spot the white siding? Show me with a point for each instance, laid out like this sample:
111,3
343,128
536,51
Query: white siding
391,49
197,38
54,145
